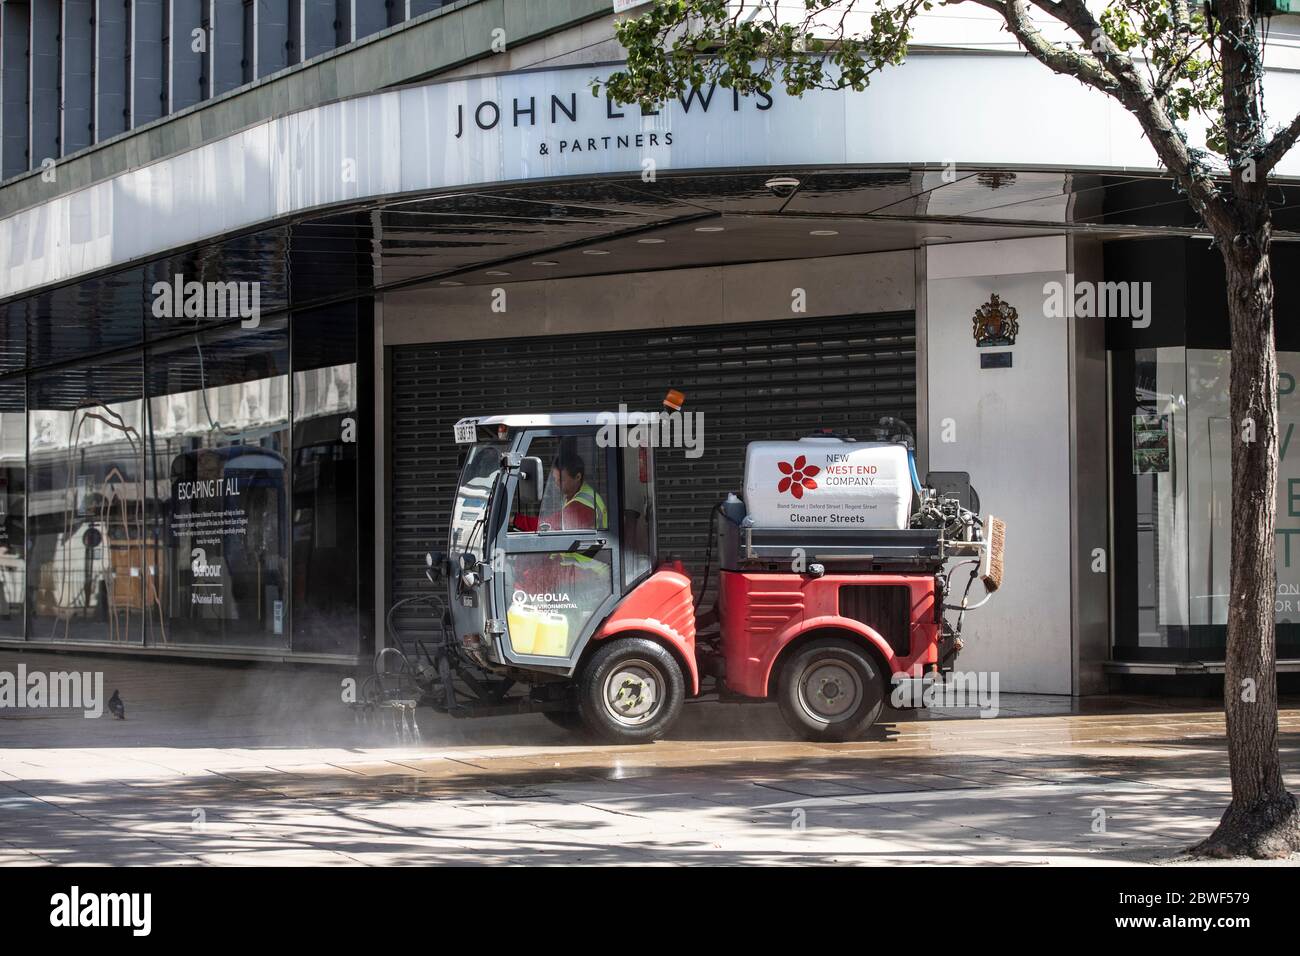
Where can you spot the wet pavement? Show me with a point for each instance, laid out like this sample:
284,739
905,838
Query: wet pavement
237,765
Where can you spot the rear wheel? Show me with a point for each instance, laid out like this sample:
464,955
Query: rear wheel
631,691
831,689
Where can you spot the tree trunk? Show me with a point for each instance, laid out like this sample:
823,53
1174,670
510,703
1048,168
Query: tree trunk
1262,819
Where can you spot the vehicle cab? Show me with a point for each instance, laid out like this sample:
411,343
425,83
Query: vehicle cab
552,524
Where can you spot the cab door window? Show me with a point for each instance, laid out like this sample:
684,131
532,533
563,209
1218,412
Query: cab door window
558,567
575,491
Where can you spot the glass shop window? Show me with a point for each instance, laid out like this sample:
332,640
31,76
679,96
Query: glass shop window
325,500
1180,446
13,506
1158,446
218,486
92,559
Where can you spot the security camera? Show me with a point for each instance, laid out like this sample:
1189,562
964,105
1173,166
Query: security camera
782,186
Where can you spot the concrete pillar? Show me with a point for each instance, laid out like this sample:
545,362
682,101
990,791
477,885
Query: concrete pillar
1001,423
1089,479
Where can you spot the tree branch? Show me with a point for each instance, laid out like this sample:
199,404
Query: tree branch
1119,79
1277,147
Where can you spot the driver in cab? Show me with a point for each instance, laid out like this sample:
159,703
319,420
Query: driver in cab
580,506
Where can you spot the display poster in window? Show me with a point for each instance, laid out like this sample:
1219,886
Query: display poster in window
225,528
1150,444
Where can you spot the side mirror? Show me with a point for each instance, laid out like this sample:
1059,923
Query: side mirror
530,481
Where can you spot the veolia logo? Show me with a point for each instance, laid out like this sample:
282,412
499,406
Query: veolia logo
523,597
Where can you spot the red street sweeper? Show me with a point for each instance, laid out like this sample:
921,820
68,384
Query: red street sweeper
834,580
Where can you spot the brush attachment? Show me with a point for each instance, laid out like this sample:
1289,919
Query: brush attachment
992,561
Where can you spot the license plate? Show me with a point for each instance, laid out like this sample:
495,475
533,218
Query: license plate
465,430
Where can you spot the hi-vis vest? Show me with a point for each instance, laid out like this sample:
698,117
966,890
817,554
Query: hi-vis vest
587,496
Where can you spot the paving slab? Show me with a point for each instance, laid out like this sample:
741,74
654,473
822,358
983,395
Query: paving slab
215,765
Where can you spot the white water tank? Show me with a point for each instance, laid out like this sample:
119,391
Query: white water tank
826,482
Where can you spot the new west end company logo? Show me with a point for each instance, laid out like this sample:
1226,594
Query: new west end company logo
798,476
575,116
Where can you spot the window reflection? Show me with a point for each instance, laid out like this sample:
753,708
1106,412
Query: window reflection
1158,446
1180,448
13,467
89,553
326,543
218,408
147,498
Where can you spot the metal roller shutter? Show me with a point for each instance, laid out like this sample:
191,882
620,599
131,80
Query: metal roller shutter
761,380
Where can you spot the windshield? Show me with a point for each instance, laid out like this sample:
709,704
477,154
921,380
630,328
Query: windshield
469,513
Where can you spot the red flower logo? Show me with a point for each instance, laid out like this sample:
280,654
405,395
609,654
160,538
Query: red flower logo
798,476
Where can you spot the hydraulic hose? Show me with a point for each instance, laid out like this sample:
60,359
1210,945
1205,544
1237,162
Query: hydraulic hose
911,466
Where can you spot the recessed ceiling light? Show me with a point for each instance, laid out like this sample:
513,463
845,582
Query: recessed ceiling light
710,228
450,282
934,238
782,186
823,232
650,242
595,252
497,272
545,262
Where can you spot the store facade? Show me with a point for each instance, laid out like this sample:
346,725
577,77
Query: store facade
186,493
1172,460
265,486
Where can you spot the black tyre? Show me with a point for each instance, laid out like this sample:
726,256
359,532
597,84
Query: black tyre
569,720
631,691
831,689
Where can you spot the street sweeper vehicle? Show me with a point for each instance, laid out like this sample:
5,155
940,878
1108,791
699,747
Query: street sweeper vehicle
834,580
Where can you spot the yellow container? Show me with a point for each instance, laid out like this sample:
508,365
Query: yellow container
523,622
552,636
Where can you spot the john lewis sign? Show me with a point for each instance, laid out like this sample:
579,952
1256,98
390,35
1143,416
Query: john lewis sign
540,124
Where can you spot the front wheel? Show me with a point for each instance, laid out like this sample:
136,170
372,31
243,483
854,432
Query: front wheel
631,691
830,690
